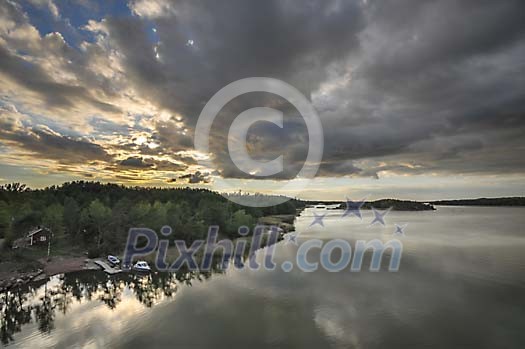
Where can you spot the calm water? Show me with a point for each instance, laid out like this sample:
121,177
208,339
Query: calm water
461,284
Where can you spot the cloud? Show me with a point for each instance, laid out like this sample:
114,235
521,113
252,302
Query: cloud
45,143
197,177
29,76
135,162
151,8
403,81
401,87
51,6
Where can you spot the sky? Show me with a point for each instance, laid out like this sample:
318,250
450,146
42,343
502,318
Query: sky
417,99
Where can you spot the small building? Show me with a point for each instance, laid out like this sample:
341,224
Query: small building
39,236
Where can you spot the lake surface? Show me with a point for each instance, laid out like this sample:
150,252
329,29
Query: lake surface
461,284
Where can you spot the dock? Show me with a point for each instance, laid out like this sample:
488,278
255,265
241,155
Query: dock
107,268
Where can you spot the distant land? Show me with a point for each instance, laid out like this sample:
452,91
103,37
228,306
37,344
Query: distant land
394,204
398,205
509,201
408,205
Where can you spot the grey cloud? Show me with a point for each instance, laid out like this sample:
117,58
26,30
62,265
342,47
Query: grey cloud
51,145
438,85
197,177
171,137
406,86
166,165
422,71
336,168
135,162
233,40
35,79
426,34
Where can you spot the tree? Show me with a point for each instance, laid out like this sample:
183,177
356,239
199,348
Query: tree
101,214
53,218
14,187
240,218
140,213
213,213
98,216
71,216
5,219
193,229
24,219
157,216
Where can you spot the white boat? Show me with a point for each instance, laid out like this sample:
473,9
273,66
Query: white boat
141,266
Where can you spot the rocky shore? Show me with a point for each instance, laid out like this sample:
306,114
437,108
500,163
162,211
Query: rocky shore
17,279
58,265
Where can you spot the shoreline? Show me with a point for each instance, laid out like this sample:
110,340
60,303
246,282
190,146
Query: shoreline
69,264
55,266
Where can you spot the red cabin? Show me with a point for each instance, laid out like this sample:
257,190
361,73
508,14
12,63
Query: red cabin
39,236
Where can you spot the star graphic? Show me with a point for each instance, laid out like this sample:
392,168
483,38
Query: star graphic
318,219
291,238
379,216
353,208
400,229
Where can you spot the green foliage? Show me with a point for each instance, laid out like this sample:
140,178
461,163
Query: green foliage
5,219
93,252
71,216
98,216
24,219
9,239
240,218
53,218
139,214
213,213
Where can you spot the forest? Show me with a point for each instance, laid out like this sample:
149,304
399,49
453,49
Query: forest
508,201
97,217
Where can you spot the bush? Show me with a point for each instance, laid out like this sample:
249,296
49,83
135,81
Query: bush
93,252
9,240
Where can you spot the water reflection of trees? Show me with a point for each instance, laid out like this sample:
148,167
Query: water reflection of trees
40,302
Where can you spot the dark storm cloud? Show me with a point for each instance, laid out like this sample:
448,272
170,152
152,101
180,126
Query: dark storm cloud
171,137
426,34
51,145
138,163
195,178
408,86
265,141
422,71
165,165
447,75
33,78
135,162
235,39
335,168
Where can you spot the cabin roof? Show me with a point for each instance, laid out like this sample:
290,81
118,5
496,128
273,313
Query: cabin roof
36,231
